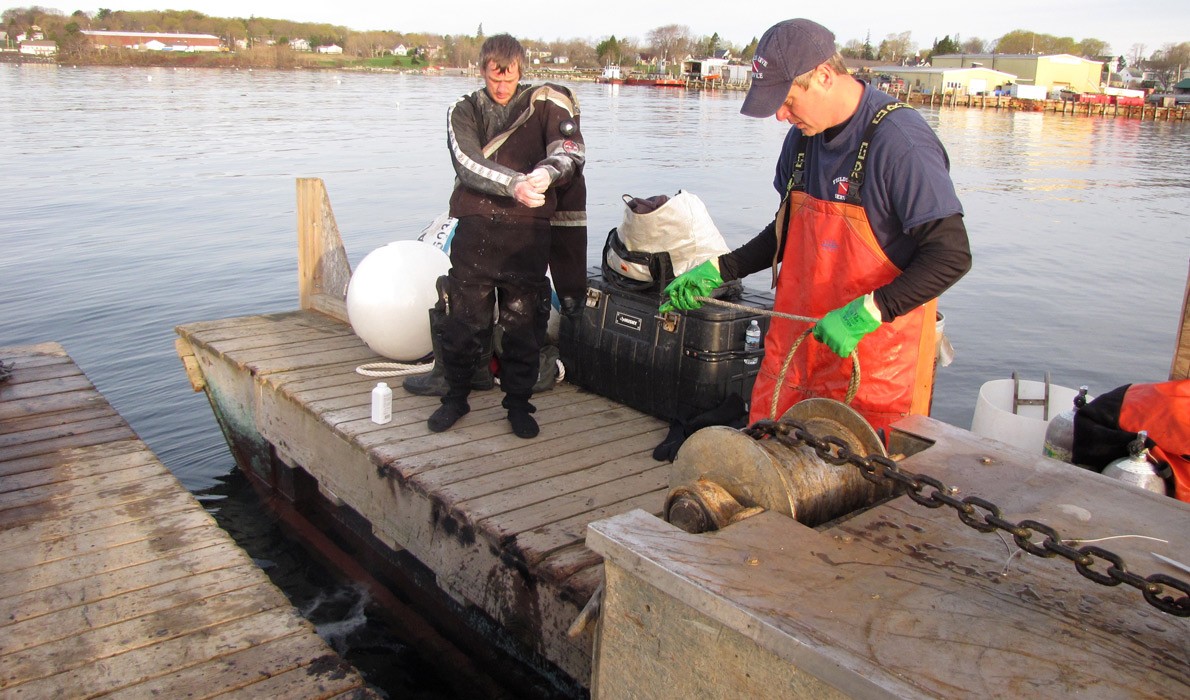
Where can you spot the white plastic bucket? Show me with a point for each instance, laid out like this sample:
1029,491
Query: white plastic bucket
1025,428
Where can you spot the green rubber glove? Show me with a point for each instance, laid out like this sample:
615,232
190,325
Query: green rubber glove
843,328
698,281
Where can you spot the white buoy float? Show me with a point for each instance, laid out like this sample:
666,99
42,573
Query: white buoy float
389,296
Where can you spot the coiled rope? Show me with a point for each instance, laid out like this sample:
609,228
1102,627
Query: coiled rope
392,369
398,369
853,385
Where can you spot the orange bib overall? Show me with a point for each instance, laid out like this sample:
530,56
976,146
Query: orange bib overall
831,257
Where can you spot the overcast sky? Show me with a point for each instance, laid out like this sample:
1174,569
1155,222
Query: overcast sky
1152,23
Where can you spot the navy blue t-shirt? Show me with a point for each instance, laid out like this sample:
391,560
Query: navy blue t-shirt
906,172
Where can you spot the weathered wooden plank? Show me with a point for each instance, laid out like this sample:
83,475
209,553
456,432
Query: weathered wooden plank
102,643
29,371
11,427
21,408
178,593
131,497
470,439
33,532
165,526
165,653
323,269
650,478
486,486
14,391
332,376
92,564
33,355
70,442
69,458
535,545
215,331
351,414
59,473
323,678
358,392
139,477
297,341
109,420
283,363
234,671
183,563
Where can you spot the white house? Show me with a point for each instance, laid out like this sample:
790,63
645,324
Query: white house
299,44
401,50
333,48
39,48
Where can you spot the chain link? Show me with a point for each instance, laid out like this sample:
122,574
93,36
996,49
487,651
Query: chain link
985,516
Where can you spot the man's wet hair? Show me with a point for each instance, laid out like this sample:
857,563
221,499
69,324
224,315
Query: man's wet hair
505,51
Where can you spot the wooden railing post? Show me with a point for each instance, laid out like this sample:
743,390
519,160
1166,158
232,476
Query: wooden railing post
323,269
1180,369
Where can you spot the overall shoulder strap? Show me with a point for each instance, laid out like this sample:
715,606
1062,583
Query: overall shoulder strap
856,178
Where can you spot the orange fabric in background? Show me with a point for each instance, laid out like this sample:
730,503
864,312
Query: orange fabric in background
1163,410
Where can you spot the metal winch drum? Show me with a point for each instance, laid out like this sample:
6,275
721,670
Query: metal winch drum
721,475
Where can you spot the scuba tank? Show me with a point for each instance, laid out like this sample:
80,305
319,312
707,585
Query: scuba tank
1136,468
1059,433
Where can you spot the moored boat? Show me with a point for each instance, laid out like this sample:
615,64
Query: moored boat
611,75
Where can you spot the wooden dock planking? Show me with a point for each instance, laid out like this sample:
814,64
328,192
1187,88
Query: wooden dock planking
114,578
500,520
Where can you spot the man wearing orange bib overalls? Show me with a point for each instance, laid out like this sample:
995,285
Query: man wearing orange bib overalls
868,234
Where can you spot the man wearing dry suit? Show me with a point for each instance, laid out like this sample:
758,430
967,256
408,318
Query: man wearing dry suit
518,155
868,234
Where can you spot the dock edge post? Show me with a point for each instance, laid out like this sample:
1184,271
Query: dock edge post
323,269
1180,369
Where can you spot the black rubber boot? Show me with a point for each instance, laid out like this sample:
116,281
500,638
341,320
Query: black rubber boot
447,414
520,416
433,383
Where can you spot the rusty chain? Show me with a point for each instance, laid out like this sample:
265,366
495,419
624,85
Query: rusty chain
879,469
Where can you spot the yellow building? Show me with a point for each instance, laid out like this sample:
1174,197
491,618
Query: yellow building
944,81
1056,72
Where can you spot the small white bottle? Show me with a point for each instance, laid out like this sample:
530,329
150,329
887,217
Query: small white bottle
382,403
752,342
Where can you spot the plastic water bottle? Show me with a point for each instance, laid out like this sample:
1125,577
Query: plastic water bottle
752,342
382,403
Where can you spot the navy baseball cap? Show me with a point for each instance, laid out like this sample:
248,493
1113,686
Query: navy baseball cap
786,50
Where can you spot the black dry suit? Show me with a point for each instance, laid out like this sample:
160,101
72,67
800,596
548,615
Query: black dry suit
501,248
